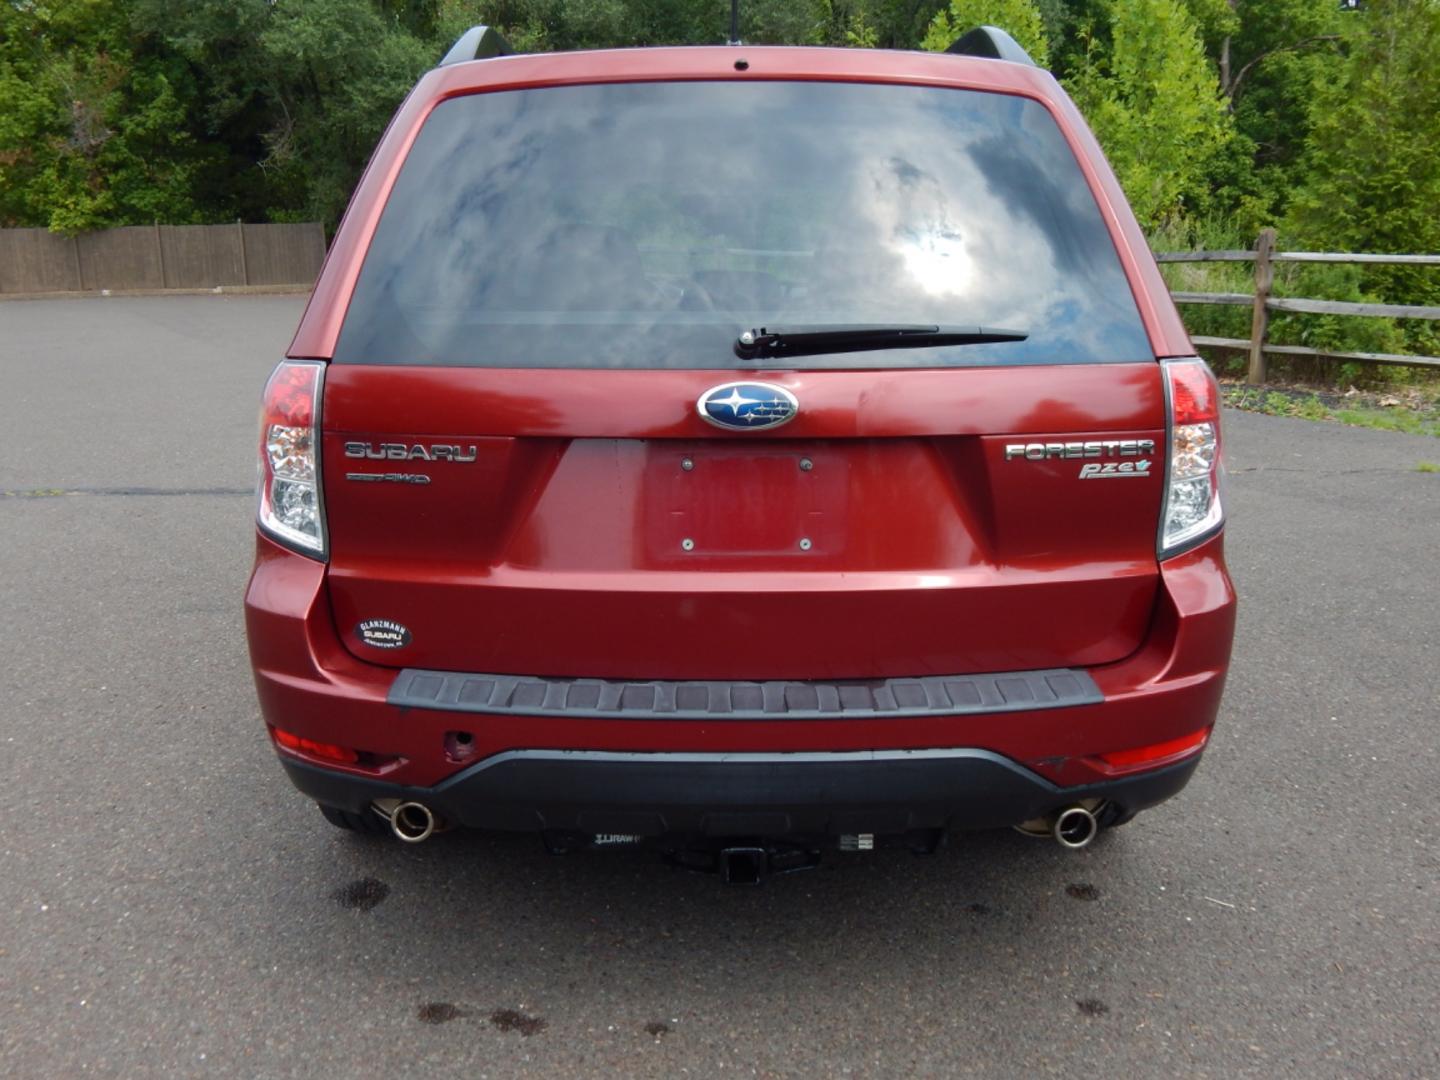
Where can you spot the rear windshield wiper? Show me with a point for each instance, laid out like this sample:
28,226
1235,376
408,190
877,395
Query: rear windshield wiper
811,339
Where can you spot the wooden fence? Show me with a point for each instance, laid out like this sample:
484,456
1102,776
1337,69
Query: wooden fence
1262,303
160,257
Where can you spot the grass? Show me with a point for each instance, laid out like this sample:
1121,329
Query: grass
1310,406
1396,419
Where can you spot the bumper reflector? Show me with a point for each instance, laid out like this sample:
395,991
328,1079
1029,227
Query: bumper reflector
328,751
1157,753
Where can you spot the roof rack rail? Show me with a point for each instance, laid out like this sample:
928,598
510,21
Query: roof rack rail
477,43
992,43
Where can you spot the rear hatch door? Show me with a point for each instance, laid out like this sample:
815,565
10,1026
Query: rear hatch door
905,523
516,469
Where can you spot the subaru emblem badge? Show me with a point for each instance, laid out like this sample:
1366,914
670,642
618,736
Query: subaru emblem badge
747,406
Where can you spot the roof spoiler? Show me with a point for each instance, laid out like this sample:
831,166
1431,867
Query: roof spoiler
992,43
480,43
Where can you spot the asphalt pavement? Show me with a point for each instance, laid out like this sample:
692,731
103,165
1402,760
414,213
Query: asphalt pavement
170,906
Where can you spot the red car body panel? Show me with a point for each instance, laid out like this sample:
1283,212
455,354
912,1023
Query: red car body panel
560,549
487,559
1168,688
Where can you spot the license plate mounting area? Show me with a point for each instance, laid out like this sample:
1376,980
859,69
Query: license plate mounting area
763,499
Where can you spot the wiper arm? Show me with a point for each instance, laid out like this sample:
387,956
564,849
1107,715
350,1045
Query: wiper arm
809,340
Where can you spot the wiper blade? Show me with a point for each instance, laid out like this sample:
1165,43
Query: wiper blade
809,340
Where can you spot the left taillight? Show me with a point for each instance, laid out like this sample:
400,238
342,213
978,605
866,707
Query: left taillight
291,509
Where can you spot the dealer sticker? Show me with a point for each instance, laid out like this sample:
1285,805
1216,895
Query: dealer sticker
383,634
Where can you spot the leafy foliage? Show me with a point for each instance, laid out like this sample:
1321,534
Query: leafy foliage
1020,18
92,129
119,111
1371,174
1154,104
299,93
1272,57
1219,116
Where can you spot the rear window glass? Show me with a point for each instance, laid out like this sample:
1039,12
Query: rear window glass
646,225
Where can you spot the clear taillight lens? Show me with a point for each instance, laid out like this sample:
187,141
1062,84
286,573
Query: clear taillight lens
290,507
1193,504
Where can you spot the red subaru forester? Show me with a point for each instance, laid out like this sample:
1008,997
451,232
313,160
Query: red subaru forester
748,451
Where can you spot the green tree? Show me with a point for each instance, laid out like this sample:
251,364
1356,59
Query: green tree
1154,104
302,91
93,130
1021,19
1371,171
1272,57
884,24
337,72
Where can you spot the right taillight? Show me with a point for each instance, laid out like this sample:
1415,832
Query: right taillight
291,510
1193,501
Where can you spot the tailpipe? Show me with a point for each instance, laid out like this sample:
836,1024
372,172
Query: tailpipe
413,822
1074,828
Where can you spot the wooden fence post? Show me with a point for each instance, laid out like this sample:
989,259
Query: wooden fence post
319,233
159,252
244,258
75,256
1260,314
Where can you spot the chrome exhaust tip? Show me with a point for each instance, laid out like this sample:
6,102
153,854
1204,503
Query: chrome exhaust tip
413,822
1074,828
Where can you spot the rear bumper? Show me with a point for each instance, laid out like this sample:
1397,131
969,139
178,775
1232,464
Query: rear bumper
769,795
1010,760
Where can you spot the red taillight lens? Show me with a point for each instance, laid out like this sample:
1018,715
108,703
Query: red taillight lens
1157,753
328,751
1193,505
290,507
290,393
1194,394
